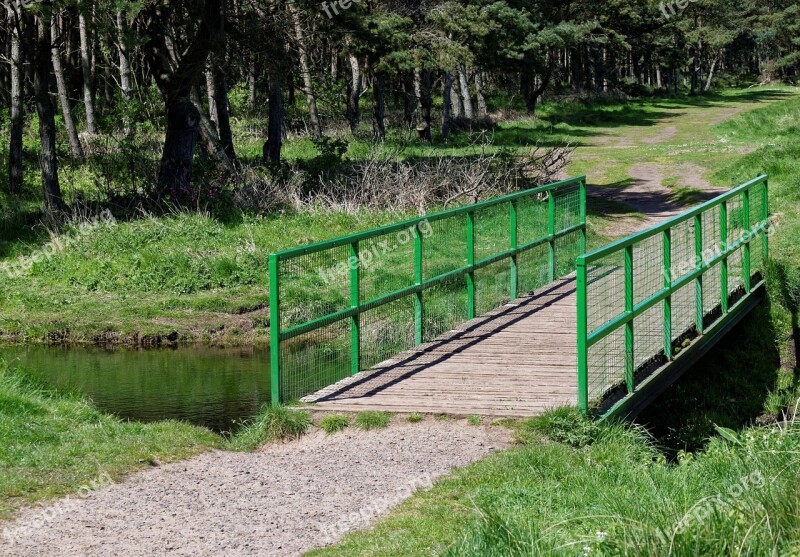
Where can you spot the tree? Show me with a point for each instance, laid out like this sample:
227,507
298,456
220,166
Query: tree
175,79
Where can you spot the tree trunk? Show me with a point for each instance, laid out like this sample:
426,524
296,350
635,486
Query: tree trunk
379,128
86,70
711,73
223,109
455,97
465,94
411,86
426,103
48,161
211,91
211,140
251,85
272,148
66,110
447,102
482,110
305,70
176,81
15,172
354,93
124,60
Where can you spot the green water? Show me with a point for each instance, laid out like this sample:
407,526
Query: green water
212,387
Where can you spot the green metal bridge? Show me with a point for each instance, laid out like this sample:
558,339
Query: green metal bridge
497,308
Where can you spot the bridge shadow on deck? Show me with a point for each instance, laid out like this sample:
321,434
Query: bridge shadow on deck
515,360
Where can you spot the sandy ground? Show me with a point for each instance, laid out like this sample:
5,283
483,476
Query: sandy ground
283,500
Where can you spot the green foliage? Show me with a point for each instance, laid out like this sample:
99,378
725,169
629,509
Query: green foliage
273,423
373,420
474,419
616,496
414,417
334,423
565,425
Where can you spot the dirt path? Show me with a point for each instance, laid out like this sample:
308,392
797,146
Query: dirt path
645,191
282,500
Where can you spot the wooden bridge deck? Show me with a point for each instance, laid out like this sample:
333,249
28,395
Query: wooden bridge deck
518,360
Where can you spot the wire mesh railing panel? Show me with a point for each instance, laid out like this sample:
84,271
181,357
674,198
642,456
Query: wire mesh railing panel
735,271
445,307
531,218
648,333
492,231
386,264
684,303
712,295
605,290
386,331
736,225
711,235
314,286
567,207
445,247
648,268
492,287
607,361
315,360
627,298
567,249
533,267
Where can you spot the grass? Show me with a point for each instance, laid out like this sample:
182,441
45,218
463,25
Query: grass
474,419
51,443
614,494
414,417
273,423
334,423
370,420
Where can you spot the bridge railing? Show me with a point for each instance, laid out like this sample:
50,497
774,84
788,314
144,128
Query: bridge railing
344,305
644,298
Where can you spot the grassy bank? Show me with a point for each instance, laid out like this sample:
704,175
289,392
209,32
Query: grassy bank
203,277
602,490
52,443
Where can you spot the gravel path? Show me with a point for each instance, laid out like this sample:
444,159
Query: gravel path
282,500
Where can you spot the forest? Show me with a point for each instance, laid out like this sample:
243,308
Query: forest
192,103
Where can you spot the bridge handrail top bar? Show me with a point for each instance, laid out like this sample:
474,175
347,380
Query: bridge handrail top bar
379,231
637,237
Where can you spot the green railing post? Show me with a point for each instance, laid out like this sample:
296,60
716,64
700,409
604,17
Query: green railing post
583,331
698,257
582,215
419,315
765,218
512,219
470,263
355,301
274,330
629,368
723,265
551,231
667,257
746,248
